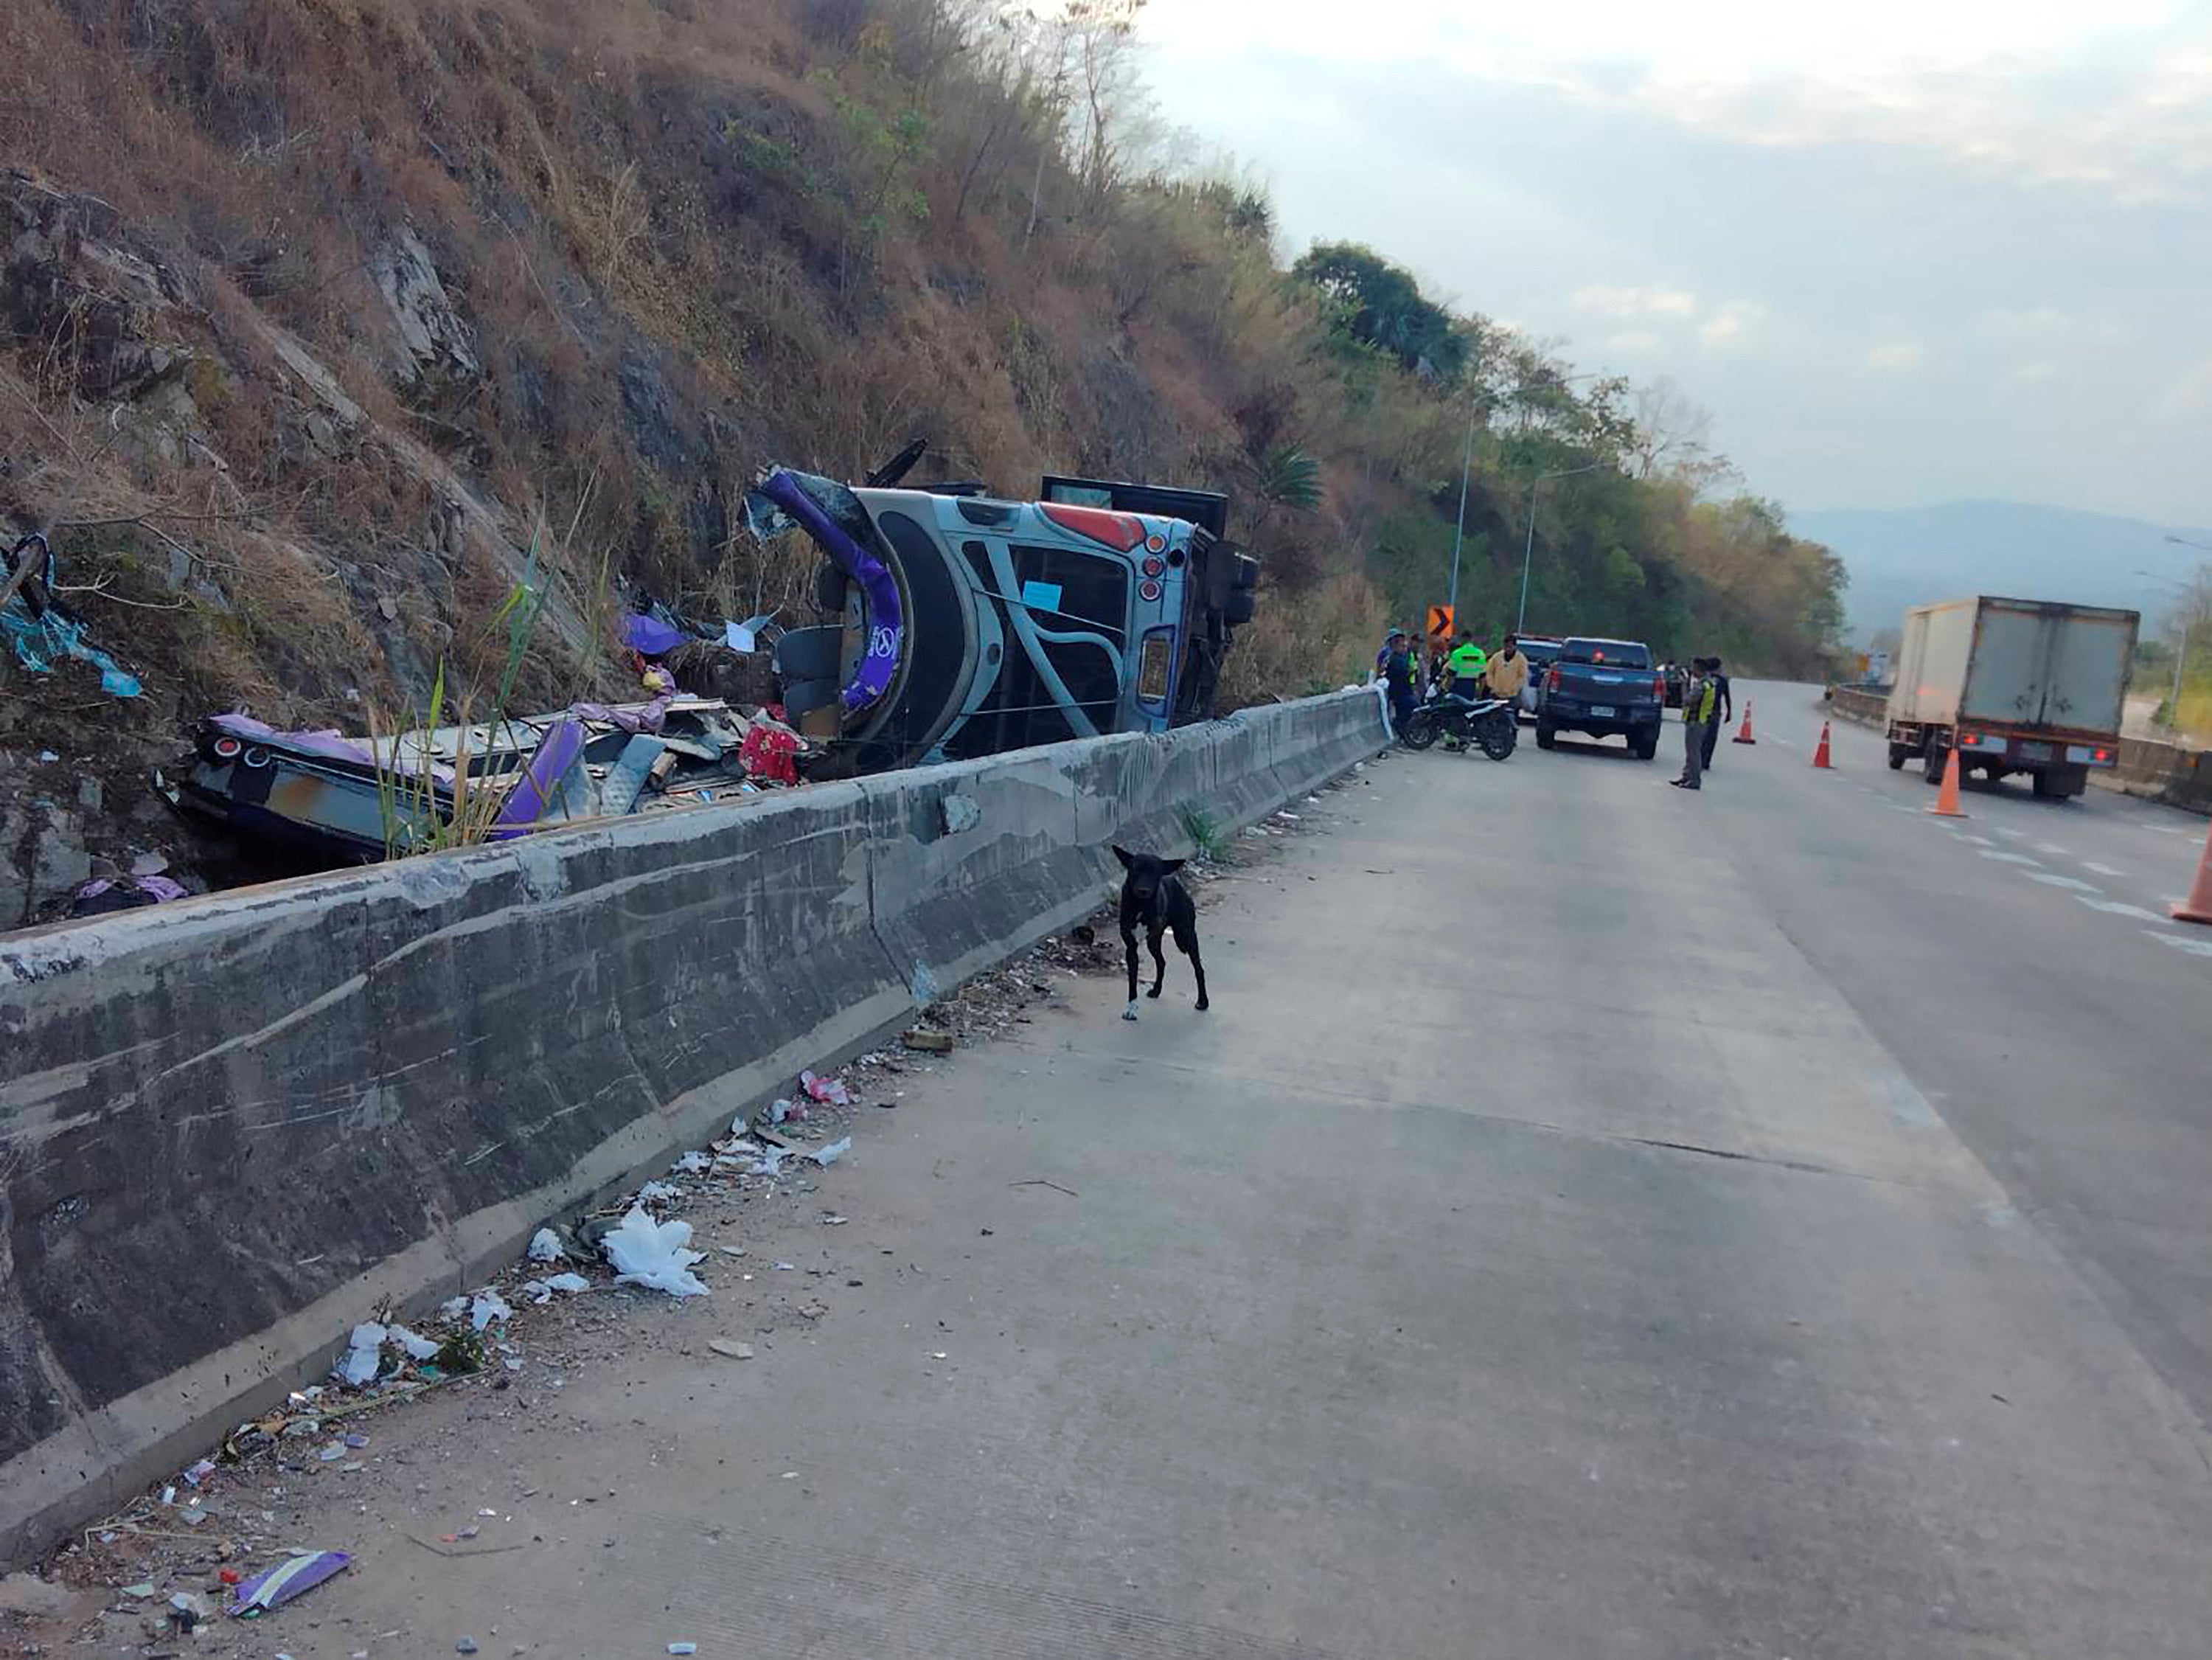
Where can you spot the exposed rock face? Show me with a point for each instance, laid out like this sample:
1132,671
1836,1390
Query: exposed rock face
435,345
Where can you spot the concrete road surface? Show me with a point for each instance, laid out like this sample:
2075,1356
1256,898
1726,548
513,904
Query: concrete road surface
1593,1221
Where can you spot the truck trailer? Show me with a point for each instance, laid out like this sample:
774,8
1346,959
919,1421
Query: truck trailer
2013,686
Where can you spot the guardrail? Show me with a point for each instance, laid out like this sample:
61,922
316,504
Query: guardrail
231,1127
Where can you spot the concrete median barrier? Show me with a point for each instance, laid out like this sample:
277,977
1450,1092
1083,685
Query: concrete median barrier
230,1127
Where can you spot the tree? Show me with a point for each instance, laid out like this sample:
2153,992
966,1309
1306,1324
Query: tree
1381,305
1671,437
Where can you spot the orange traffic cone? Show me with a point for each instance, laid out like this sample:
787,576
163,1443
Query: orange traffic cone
1743,733
1947,798
1821,752
2197,907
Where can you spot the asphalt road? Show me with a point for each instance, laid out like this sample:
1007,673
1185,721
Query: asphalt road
1594,1220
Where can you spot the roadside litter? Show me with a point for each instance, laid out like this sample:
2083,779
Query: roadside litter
653,1255
286,1581
546,1247
39,627
830,1090
541,1291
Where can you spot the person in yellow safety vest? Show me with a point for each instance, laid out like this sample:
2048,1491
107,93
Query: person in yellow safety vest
1466,662
1508,671
1697,712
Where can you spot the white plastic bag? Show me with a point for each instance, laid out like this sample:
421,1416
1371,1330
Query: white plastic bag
545,1246
487,1306
652,1254
364,1354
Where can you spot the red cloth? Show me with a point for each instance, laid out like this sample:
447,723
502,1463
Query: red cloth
766,753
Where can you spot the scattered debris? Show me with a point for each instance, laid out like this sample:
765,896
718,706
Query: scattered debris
683,1648
729,1349
545,1246
540,1291
830,1155
926,1040
1040,1181
287,1580
39,627
334,793
104,894
488,1306
830,1090
652,1254
364,1355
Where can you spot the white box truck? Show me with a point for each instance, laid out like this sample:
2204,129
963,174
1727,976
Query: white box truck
2013,685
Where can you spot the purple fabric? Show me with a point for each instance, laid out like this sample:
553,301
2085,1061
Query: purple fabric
632,718
649,636
880,613
288,1579
160,887
541,778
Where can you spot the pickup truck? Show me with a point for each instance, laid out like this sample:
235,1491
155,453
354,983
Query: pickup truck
1607,688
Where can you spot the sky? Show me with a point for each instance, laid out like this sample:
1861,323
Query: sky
1904,251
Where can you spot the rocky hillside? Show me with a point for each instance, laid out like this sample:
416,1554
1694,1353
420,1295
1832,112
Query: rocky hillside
330,322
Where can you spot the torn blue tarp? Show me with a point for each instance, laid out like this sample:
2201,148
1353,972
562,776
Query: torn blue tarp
43,631
648,637
833,516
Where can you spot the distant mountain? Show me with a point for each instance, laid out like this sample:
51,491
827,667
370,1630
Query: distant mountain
1909,556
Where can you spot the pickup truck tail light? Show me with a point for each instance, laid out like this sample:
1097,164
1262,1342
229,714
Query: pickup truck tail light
1659,688
1552,680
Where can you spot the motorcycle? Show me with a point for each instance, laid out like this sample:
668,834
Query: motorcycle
1490,722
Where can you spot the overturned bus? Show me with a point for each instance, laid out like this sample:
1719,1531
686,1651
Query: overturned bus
970,625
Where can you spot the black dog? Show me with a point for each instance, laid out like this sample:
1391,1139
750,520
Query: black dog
1151,896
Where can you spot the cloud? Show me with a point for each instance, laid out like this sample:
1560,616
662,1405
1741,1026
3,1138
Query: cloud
1635,303
2116,97
1732,326
2048,324
1898,354
1634,343
2035,374
2192,390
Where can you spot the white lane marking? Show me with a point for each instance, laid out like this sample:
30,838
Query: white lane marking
1979,840
2101,870
2194,945
2119,907
2072,884
2017,835
2053,849
2009,858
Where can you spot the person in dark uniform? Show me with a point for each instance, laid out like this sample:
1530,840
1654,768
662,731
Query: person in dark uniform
1722,709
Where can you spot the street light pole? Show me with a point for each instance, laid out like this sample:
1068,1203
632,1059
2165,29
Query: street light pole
2181,650
1459,525
1528,549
